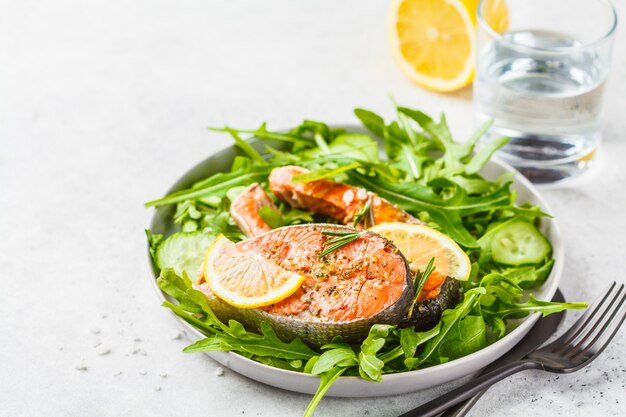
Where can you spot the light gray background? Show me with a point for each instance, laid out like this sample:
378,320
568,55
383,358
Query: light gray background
103,104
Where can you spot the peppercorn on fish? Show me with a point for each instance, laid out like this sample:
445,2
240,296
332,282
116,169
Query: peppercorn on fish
345,292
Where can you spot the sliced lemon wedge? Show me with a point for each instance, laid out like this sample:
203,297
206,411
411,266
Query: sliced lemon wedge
420,243
245,279
434,41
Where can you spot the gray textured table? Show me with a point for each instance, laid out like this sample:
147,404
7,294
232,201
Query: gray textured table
104,103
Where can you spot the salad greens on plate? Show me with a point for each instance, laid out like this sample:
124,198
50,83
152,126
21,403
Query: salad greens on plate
424,172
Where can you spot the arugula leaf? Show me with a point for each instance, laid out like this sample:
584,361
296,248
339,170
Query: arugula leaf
348,145
401,154
246,147
412,163
529,276
222,223
439,132
326,380
410,340
497,325
395,141
519,310
480,159
466,337
472,184
199,324
263,133
499,288
312,128
370,366
280,158
295,216
339,357
188,215
293,365
220,183
173,285
284,216
342,356
272,217
372,121
266,344
468,146
154,240
449,319
502,297
324,173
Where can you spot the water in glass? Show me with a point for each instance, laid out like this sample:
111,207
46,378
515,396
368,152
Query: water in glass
548,103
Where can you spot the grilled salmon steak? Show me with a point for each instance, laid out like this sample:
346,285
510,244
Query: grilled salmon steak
338,201
245,210
345,292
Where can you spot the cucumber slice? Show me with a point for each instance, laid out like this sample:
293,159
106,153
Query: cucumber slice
519,243
184,252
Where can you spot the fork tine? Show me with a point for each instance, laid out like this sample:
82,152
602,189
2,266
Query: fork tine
583,321
605,332
589,330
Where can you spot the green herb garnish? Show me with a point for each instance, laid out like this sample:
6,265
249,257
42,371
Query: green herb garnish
418,283
421,277
365,214
341,239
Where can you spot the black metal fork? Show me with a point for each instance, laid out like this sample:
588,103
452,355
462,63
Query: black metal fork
580,345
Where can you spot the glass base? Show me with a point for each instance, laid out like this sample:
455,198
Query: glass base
548,159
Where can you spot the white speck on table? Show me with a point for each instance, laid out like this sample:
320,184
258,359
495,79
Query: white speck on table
81,366
103,350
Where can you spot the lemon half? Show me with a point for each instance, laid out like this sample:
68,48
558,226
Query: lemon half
434,41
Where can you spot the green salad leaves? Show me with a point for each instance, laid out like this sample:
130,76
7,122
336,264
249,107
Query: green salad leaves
425,172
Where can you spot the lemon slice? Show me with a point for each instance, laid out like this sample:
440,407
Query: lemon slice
420,243
433,41
245,279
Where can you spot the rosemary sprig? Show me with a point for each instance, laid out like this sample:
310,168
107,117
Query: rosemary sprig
418,282
366,214
420,279
341,239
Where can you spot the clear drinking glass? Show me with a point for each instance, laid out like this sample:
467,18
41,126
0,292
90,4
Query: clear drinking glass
542,82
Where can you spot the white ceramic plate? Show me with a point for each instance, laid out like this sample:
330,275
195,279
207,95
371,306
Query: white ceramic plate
392,384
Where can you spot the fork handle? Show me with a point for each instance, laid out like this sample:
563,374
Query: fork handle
475,386
462,408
